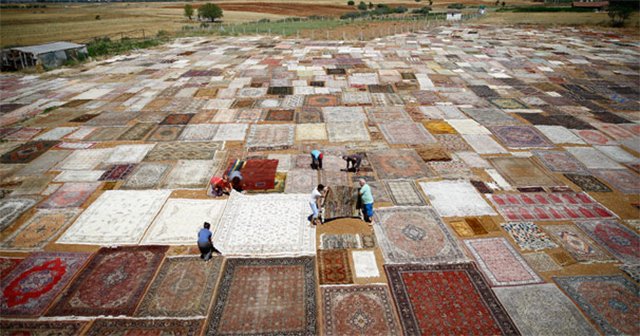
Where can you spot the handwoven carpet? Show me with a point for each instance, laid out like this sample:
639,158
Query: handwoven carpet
408,133
311,132
12,208
165,133
199,132
36,281
379,192
145,327
259,174
85,159
593,158
404,192
339,241
27,152
359,310
129,153
183,287
611,301
559,135
266,297
146,176
32,185
543,310
270,137
622,179
415,234
522,172
340,202
456,199
70,195
40,229
549,206
112,283
364,264
528,236
446,299
266,224
191,174
166,151
58,328
577,243
541,262
43,163
398,164
7,265
560,161
180,220
116,217
500,263
137,132
310,115
347,131
117,172
616,238
333,267
301,181
484,144
231,132
520,137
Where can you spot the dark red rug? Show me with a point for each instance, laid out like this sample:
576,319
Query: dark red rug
258,174
447,300
145,327
27,152
112,283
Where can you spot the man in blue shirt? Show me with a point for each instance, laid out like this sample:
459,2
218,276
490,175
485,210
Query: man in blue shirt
367,200
204,242
316,159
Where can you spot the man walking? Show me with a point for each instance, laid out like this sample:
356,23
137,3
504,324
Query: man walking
367,200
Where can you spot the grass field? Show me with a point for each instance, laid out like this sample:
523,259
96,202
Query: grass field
551,19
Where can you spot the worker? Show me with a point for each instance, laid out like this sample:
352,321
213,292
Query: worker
317,195
219,186
353,160
367,200
316,159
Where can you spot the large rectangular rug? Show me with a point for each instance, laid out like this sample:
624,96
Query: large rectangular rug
116,217
85,159
446,299
560,161
129,153
528,236
191,174
266,224
340,202
456,198
27,152
120,326
616,238
30,327
347,131
407,133
330,241
270,137
520,137
333,267
183,287
415,235
259,174
39,230
31,287
301,181
167,151
622,179
180,220
500,263
359,310
70,195
398,164
146,176
610,301
112,283
543,310
549,206
523,172
577,243
266,297
12,208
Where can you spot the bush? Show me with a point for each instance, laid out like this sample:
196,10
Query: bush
350,3
188,11
401,9
456,6
619,14
97,17
422,11
362,6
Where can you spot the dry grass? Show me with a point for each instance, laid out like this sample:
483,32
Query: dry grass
551,19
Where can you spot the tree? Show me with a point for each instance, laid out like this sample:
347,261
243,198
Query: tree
188,11
362,6
430,2
210,11
497,2
350,3
619,14
418,0
503,4
370,5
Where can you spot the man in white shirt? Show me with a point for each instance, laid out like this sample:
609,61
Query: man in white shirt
317,195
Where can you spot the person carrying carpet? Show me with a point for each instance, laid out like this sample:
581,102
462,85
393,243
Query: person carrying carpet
317,195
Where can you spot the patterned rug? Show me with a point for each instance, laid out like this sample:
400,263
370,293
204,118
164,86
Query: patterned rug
404,193
633,271
301,181
453,142
587,183
137,132
270,137
12,208
522,172
543,310
549,206
40,229
558,161
129,153
311,132
333,267
146,176
621,179
446,299
520,137
32,185
310,115
180,219
577,243
86,159
183,151
616,238
456,199
500,263
340,202
43,163
246,227
339,241
117,172
347,131
528,236
359,310
166,133
398,164
58,328
70,195
266,296
187,278
541,262
190,174
593,158
610,301
259,174
430,153
36,281
116,217
408,133
7,265
27,152
199,132
415,234
177,119
145,327
322,100
112,283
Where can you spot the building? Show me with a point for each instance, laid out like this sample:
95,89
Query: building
454,16
49,55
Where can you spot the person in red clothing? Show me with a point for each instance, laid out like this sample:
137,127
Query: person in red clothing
219,186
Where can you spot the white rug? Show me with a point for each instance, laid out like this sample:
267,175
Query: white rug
129,153
467,126
473,160
347,131
484,144
617,153
343,114
191,174
85,159
79,176
560,135
231,132
199,132
117,217
56,133
500,181
266,224
284,161
365,264
180,220
456,199
301,181
592,158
